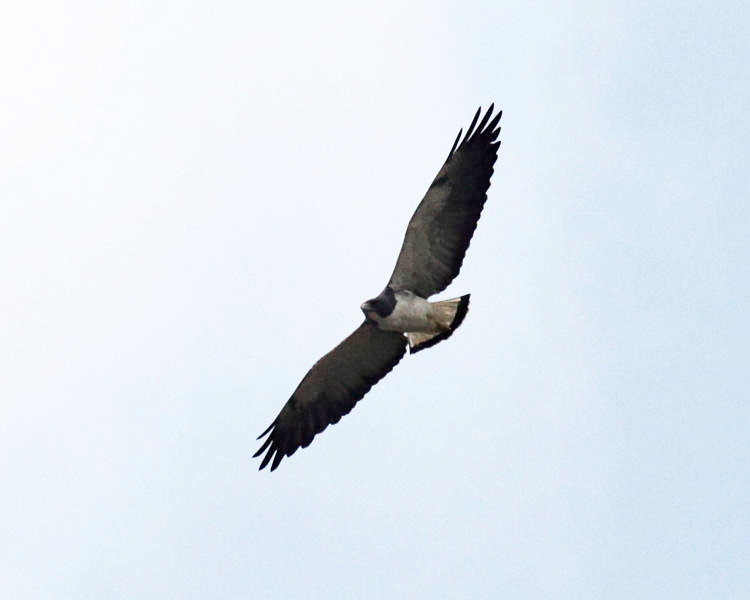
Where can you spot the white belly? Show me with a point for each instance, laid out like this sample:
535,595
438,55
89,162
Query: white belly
411,313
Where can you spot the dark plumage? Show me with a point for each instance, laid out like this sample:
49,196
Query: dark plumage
428,262
331,388
431,255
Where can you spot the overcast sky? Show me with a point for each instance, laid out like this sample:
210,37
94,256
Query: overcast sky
196,198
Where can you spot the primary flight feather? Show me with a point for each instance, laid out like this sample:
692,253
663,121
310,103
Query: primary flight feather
431,255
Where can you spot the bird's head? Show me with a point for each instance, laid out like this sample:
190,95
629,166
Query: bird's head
371,309
379,307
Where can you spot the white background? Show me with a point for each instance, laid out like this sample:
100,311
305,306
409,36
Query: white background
196,197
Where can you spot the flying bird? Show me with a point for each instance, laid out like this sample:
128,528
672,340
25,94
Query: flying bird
431,255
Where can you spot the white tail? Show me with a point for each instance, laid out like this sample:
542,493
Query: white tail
449,314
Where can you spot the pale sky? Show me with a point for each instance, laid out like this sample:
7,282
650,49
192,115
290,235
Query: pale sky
196,198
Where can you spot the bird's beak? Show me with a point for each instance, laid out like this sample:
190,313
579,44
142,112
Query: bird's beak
366,308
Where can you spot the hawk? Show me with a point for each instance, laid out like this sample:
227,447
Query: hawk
431,255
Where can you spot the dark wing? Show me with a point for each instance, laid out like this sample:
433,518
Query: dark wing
331,389
441,228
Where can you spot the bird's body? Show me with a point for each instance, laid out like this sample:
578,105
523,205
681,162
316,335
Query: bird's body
434,246
419,319
410,313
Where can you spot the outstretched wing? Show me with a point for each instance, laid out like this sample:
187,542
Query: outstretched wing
331,389
441,228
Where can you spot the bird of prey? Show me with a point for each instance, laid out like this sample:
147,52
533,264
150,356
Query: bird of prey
431,255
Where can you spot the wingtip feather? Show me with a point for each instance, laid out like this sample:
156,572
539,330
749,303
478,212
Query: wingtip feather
270,427
455,143
487,115
470,130
493,124
263,447
266,459
277,460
